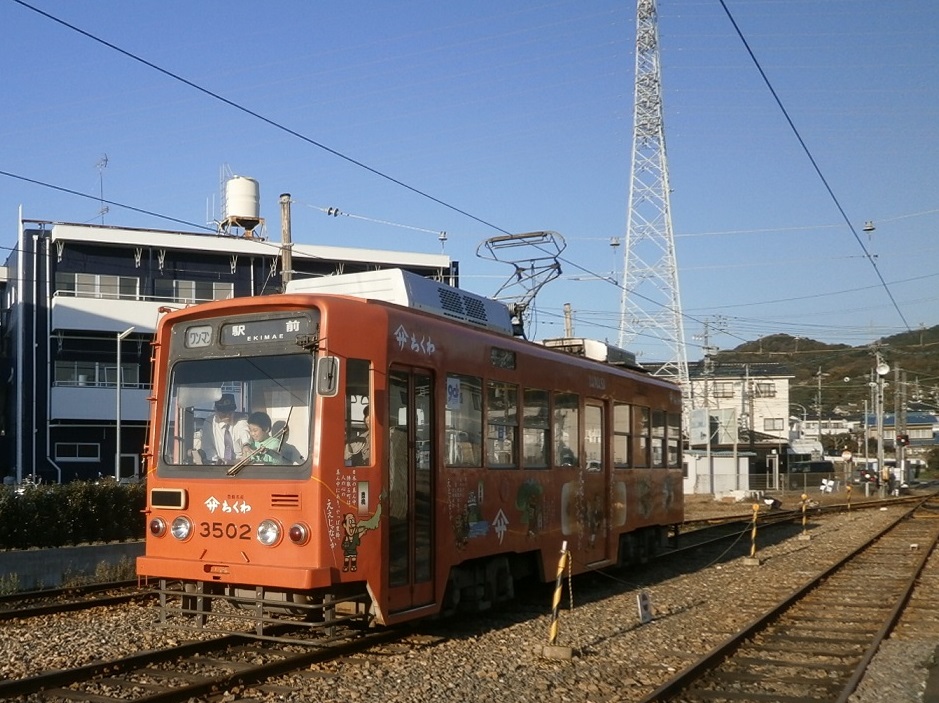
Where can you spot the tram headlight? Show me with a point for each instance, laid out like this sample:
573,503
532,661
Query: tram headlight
269,532
299,533
157,527
181,528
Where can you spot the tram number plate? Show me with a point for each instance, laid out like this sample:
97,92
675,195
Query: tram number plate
223,530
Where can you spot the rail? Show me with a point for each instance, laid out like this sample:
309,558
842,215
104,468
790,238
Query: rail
815,641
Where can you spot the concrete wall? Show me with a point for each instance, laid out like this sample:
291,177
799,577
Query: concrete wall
32,569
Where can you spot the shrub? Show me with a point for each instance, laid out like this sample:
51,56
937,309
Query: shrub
74,513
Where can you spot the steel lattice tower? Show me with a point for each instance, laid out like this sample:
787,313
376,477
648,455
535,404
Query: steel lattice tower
650,304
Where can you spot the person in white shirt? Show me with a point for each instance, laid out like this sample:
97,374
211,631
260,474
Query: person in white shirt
225,434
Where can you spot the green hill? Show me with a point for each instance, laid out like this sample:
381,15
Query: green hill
846,371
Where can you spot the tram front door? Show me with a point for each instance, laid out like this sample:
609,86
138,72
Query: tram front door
410,482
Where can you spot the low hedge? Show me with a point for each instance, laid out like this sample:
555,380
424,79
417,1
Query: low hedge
74,513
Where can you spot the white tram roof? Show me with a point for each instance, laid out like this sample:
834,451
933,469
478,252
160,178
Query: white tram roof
413,291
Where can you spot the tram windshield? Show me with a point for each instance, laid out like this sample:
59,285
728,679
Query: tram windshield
239,411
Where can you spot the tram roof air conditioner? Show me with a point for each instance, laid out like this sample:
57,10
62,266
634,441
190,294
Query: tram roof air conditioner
411,290
593,349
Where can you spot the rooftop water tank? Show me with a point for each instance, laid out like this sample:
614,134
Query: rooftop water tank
242,202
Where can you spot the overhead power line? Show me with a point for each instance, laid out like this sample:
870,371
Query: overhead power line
870,258
103,201
258,116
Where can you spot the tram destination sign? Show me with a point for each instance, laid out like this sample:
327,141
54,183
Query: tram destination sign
265,331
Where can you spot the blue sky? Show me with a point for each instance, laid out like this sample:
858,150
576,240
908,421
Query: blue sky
520,115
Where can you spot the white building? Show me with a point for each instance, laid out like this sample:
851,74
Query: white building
78,298
754,398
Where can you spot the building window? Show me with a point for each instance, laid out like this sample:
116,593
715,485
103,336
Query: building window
765,389
178,291
92,285
723,389
774,424
96,373
77,451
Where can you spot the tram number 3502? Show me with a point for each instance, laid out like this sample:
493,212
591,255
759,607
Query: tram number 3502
220,530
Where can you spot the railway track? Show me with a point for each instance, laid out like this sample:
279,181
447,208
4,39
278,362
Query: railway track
207,669
815,644
699,532
24,605
191,670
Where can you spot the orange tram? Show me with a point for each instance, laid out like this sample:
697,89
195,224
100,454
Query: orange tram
315,455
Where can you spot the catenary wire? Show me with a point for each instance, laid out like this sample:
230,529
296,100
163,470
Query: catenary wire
257,115
416,190
814,163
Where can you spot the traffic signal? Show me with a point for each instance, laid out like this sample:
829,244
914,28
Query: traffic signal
903,440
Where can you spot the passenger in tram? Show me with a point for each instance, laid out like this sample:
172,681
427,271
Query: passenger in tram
225,433
263,448
357,451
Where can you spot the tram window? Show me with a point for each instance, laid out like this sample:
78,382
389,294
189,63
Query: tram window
536,434
566,429
674,439
358,424
501,425
208,396
643,435
622,436
464,418
593,437
658,438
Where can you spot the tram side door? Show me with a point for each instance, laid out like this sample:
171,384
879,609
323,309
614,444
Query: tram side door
596,473
410,488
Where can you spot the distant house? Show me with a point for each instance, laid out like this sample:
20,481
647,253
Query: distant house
921,428
828,426
76,298
748,402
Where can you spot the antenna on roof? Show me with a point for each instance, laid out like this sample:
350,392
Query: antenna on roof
101,165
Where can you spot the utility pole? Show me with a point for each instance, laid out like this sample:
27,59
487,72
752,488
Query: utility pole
286,252
708,370
899,421
881,369
818,403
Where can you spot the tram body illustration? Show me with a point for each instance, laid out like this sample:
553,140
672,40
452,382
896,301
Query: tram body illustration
314,453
